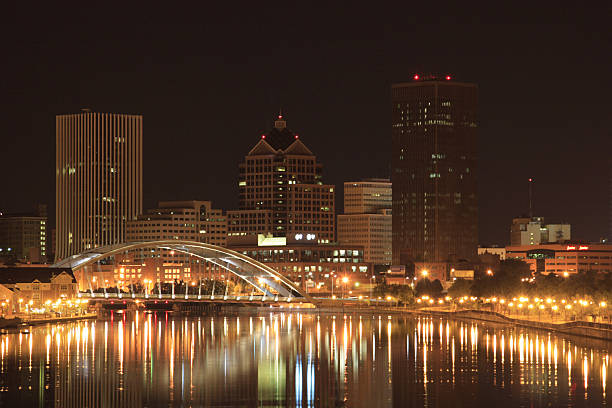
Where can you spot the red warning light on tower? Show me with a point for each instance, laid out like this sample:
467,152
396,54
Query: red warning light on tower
416,77
448,77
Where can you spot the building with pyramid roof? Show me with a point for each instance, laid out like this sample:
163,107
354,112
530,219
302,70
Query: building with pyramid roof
281,192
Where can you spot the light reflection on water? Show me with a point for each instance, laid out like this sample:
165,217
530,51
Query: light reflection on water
288,359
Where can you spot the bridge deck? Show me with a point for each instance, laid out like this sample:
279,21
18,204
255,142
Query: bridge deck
191,298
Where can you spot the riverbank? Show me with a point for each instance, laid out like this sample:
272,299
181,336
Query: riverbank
35,322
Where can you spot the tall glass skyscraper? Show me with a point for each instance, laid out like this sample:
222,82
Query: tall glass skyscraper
434,170
98,176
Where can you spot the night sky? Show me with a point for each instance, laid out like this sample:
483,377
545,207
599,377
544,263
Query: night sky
209,80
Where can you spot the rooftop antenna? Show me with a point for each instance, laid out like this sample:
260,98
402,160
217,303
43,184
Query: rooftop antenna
530,198
280,123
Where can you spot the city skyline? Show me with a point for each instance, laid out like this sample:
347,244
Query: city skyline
530,125
372,204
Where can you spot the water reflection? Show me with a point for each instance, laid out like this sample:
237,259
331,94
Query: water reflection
297,359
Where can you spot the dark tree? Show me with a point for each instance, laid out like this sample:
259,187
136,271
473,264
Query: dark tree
429,288
460,288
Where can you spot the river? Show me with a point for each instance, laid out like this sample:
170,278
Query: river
292,359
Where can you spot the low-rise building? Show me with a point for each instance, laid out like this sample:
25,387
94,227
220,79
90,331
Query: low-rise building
312,266
467,274
128,273
432,270
37,285
498,251
564,259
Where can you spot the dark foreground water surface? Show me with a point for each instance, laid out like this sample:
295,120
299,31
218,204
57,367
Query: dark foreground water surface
158,360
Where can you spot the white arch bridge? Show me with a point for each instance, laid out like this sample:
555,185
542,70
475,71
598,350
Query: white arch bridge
269,285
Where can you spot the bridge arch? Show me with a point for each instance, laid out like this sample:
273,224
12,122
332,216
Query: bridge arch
248,269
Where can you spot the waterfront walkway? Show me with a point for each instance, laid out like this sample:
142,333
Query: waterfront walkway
576,327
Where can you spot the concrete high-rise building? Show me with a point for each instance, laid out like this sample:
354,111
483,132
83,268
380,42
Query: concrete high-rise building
281,191
24,237
367,219
98,179
534,231
434,170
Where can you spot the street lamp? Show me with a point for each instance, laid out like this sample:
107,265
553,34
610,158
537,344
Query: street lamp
424,273
602,305
371,284
345,280
489,272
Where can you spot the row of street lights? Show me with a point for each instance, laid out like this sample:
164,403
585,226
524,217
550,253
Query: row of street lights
523,305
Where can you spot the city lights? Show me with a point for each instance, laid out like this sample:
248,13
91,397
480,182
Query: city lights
305,223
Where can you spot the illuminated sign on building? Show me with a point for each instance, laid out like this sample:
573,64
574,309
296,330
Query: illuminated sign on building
263,240
309,237
580,248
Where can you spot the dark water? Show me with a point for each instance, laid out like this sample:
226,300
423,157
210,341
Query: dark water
298,360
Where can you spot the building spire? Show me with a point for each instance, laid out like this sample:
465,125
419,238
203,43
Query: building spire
280,123
530,198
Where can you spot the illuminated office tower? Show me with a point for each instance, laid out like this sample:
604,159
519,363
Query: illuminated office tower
98,179
434,170
282,193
